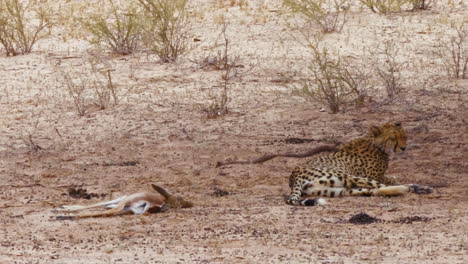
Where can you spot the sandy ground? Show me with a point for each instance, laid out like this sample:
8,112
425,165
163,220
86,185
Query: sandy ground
159,134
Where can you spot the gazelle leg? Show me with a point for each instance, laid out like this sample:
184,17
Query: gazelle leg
108,204
140,207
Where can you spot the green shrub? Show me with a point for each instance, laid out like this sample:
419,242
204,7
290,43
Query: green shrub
386,6
119,29
332,81
22,25
166,28
329,15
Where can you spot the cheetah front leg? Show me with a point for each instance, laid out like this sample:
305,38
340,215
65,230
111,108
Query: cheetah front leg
295,198
297,185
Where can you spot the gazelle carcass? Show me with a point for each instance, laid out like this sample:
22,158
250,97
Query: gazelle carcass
137,203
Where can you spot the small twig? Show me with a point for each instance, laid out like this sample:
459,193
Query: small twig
267,157
21,186
40,185
58,133
121,163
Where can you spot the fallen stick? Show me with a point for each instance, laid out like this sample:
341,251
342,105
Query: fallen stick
272,156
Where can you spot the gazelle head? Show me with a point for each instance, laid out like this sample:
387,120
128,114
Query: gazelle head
172,201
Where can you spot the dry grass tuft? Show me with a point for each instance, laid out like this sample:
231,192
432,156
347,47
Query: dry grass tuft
23,24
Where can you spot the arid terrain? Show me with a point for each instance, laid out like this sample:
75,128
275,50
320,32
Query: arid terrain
159,133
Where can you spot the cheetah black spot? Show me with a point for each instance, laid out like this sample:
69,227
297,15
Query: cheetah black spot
319,193
332,182
332,194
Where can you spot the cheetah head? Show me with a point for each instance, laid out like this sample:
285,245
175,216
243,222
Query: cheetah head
389,137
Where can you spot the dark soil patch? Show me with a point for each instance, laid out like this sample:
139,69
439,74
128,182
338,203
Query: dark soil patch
220,192
363,219
297,140
81,193
122,163
411,219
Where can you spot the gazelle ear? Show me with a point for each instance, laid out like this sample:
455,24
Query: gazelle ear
375,131
161,191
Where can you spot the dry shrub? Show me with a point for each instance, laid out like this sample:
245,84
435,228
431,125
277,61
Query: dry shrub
453,52
388,68
166,28
28,139
90,85
332,81
421,4
329,15
231,3
227,64
388,6
117,29
23,24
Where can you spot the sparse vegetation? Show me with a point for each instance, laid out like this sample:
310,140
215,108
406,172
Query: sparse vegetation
23,24
231,3
389,6
119,29
332,81
227,64
90,85
29,141
166,28
329,15
421,4
454,52
388,68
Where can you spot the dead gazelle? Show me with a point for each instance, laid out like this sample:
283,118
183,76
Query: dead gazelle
137,203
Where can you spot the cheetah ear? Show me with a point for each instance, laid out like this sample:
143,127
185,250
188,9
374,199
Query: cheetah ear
375,131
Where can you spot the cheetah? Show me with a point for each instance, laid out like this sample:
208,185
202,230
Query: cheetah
356,169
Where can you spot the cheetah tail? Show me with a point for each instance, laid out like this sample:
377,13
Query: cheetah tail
314,202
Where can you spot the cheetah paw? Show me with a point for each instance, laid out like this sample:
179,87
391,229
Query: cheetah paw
420,189
292,201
